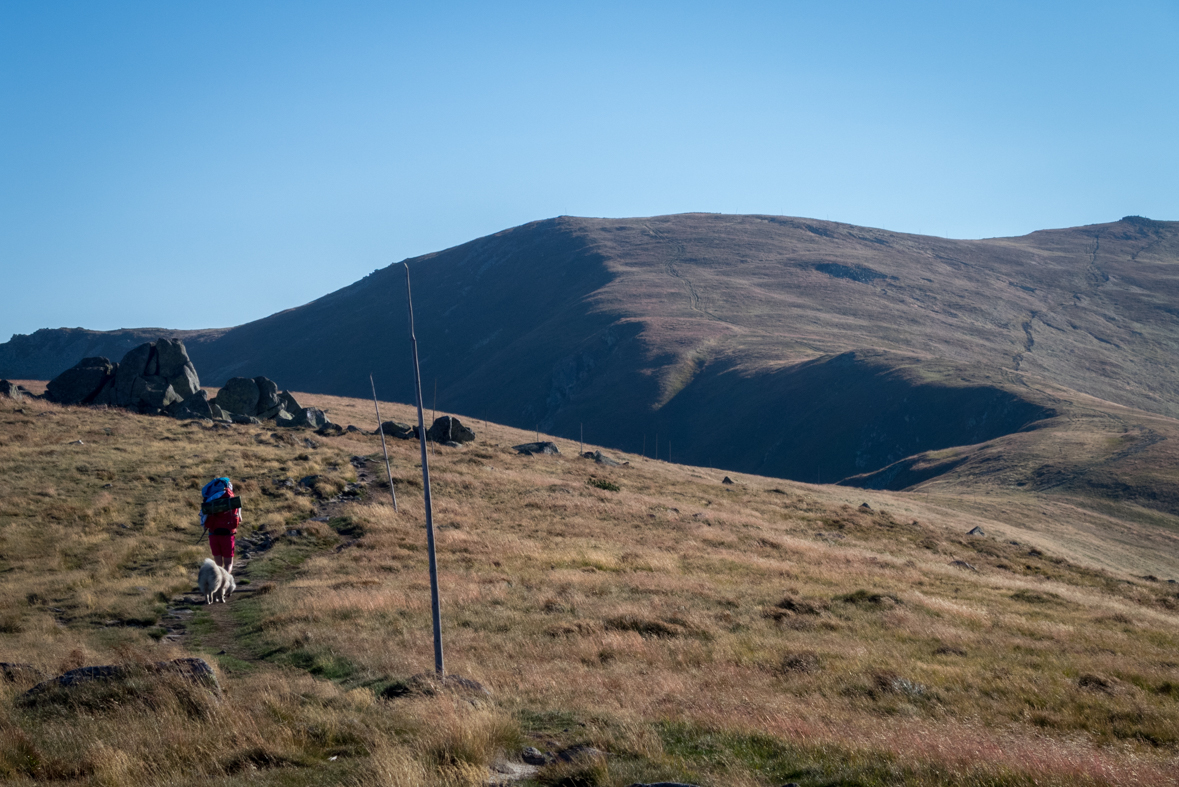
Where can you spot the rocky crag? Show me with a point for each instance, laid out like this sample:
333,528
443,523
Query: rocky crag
158,378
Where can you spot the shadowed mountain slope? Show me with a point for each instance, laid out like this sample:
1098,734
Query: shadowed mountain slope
792,347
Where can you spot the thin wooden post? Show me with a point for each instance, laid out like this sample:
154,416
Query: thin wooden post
384,449
417,377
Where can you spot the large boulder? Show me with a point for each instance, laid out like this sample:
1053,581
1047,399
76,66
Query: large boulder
174,365
311,417
82,383
238,395
448,429
11,391
268,400
195,406
288,403
397,429
152,394
133,366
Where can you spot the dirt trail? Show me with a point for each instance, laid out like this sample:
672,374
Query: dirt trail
222,638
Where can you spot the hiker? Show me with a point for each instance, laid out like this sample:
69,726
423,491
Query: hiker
221,518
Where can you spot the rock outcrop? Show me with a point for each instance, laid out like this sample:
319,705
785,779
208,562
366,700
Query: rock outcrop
12,391
249,400
159,378
448,429
397,429
149,379
81,383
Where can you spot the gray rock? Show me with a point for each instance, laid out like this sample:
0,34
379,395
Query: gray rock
533,756
543,447
11,390
81,383
600,458
311,417
283,418
330,430
396,429
239,395
216,413
352,429
195,406
57,690
245,420
288,402
976,531
173,364
727,480
152,394
449,429
131,368
268,402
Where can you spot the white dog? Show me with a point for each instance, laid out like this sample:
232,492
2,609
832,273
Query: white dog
215,582
228,584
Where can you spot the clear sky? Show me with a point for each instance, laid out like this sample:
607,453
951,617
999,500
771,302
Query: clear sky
203,164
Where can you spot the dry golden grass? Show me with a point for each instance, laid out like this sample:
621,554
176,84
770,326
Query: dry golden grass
750,634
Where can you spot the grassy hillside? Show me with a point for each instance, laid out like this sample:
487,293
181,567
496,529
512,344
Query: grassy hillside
747,634
791,347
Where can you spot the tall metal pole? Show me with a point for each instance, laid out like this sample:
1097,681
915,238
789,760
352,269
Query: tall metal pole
417,377
385,450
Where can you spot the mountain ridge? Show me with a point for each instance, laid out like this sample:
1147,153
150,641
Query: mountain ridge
719,333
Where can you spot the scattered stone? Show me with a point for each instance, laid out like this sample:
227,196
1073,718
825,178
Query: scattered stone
530,449
452,444
244,420
309,443
57,690
533,756
352,429
283,418
449,429
311,417
332,430
77,442
194,407
977,531
307,482
727,481
865,506
962,564
1035,553
397,429
600,458
11,390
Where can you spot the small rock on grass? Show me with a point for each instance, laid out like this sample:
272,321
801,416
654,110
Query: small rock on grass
533,756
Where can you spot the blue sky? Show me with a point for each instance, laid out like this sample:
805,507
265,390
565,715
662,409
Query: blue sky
203,164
